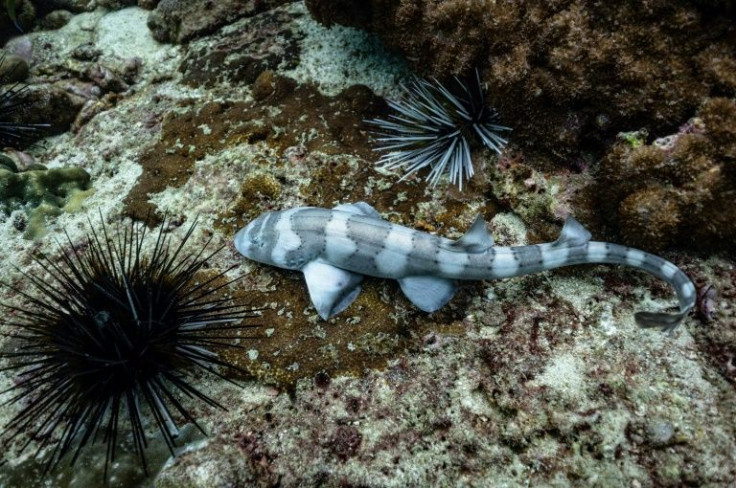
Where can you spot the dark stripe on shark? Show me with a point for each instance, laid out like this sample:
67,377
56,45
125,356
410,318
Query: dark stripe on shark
529,257
577,255
424,256
480,263
617,252
309,224
653,264
369,236
267,229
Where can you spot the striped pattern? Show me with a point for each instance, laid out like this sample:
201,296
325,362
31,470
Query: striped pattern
364,244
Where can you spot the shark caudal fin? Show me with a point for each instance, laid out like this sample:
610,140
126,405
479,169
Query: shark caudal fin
668,322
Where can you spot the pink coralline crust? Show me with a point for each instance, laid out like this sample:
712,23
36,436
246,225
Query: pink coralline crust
555,69
678,191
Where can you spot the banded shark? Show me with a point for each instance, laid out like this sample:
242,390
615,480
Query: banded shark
336,248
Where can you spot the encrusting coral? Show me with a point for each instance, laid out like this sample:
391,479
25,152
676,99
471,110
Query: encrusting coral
39,192
566,75
170,160
679,190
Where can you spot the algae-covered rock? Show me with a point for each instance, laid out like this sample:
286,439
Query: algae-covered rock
13,69
15,15
40,193
183,20
679,190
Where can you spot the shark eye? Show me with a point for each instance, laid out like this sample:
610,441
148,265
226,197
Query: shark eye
257,241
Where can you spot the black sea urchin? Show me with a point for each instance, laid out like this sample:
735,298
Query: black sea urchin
116,332
435,126
13,131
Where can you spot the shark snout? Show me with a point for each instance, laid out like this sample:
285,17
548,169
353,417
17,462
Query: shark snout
242,244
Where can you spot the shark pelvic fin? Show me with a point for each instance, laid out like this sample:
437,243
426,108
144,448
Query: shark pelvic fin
476,239
428,293
331,289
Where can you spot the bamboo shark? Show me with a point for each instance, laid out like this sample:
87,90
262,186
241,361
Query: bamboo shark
336,248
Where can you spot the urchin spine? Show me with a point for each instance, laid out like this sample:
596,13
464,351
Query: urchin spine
115,334
430,129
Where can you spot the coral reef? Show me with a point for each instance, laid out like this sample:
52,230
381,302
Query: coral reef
716,333
52,14
541,402
677,191
244,51
542,199
566,75
182,142
542,380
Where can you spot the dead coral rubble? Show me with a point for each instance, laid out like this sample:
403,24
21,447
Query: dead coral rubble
679,190
564,74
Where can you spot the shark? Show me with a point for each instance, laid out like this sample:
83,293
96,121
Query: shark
335,248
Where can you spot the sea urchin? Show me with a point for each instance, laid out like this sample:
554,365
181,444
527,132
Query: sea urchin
13,131
116,334
436,126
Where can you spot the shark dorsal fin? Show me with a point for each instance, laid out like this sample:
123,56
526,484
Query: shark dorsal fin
476,239
359,208
573,234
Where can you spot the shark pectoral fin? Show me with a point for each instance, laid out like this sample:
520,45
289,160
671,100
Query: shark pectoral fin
428,293
331,289
359,208
476,239
573,234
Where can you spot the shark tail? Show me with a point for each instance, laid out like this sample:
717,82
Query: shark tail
668,322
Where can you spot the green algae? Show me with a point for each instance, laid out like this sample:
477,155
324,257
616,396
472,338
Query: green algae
634,138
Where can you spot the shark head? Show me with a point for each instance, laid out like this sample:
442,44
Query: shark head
269,239
257,239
